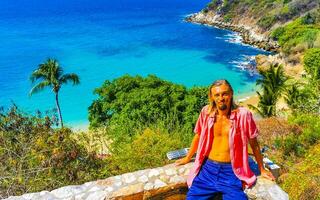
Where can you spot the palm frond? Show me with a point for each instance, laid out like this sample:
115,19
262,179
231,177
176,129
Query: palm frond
74,78
40,86
256,109
36,75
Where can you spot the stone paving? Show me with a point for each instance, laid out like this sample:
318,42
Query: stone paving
167,182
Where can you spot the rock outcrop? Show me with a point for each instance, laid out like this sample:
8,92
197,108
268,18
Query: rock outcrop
162,183
250,33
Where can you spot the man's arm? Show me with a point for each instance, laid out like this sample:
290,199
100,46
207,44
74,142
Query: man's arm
256,152
192,150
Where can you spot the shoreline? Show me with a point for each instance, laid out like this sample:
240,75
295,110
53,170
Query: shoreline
79,127
246,32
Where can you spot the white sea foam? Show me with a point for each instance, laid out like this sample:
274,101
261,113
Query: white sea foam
245,63
234,38
243,99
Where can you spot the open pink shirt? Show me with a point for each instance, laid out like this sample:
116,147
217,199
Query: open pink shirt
242,128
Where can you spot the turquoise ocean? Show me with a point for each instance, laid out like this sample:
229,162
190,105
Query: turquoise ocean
102,40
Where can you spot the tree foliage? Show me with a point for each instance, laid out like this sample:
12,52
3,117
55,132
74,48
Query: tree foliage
312,63
144,118
132,101
36,157
272,82
298,32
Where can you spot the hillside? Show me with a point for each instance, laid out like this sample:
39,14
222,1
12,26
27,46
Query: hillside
288,27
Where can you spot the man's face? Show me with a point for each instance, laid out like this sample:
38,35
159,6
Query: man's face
222,96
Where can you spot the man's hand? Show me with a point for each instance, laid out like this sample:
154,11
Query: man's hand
182,161
267,174
257,154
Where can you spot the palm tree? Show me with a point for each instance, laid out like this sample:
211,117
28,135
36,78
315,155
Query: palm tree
51,75
267,103
273,78
273,85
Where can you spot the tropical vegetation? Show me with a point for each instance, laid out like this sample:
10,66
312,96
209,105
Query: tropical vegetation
135,120
273,84
300,143
138,102
300,34
34,156
122,137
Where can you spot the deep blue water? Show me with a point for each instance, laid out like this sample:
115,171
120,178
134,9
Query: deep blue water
102,40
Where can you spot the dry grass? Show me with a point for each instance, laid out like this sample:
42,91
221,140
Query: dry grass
272,128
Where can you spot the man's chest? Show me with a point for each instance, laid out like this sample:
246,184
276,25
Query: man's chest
221,127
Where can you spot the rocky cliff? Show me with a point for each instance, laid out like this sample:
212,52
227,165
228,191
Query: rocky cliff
250,33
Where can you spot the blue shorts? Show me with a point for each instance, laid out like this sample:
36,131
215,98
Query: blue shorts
215,178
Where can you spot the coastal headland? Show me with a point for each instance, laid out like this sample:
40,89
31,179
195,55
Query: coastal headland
247,25
249,32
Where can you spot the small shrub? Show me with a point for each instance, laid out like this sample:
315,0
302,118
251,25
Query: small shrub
292,145
228,17
308,19
277,33
147,150
312,62
267,21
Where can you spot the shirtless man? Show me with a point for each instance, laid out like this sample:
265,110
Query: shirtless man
223,131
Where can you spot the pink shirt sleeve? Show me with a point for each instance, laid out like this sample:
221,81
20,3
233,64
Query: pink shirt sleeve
251,126
198,127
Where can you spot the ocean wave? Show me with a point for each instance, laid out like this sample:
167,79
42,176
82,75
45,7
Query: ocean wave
245,63
233,38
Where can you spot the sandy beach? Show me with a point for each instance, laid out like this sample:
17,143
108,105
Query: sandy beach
252,99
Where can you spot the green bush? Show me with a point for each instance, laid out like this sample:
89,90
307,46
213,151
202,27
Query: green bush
36,157
285,12
295,33
228,17
213,4
147,150
267,21
277,33
144,118
308,19
298,143
312,62
137,102
292,144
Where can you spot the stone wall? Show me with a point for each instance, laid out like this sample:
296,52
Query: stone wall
162,183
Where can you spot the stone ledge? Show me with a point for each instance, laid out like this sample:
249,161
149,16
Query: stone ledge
167,182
